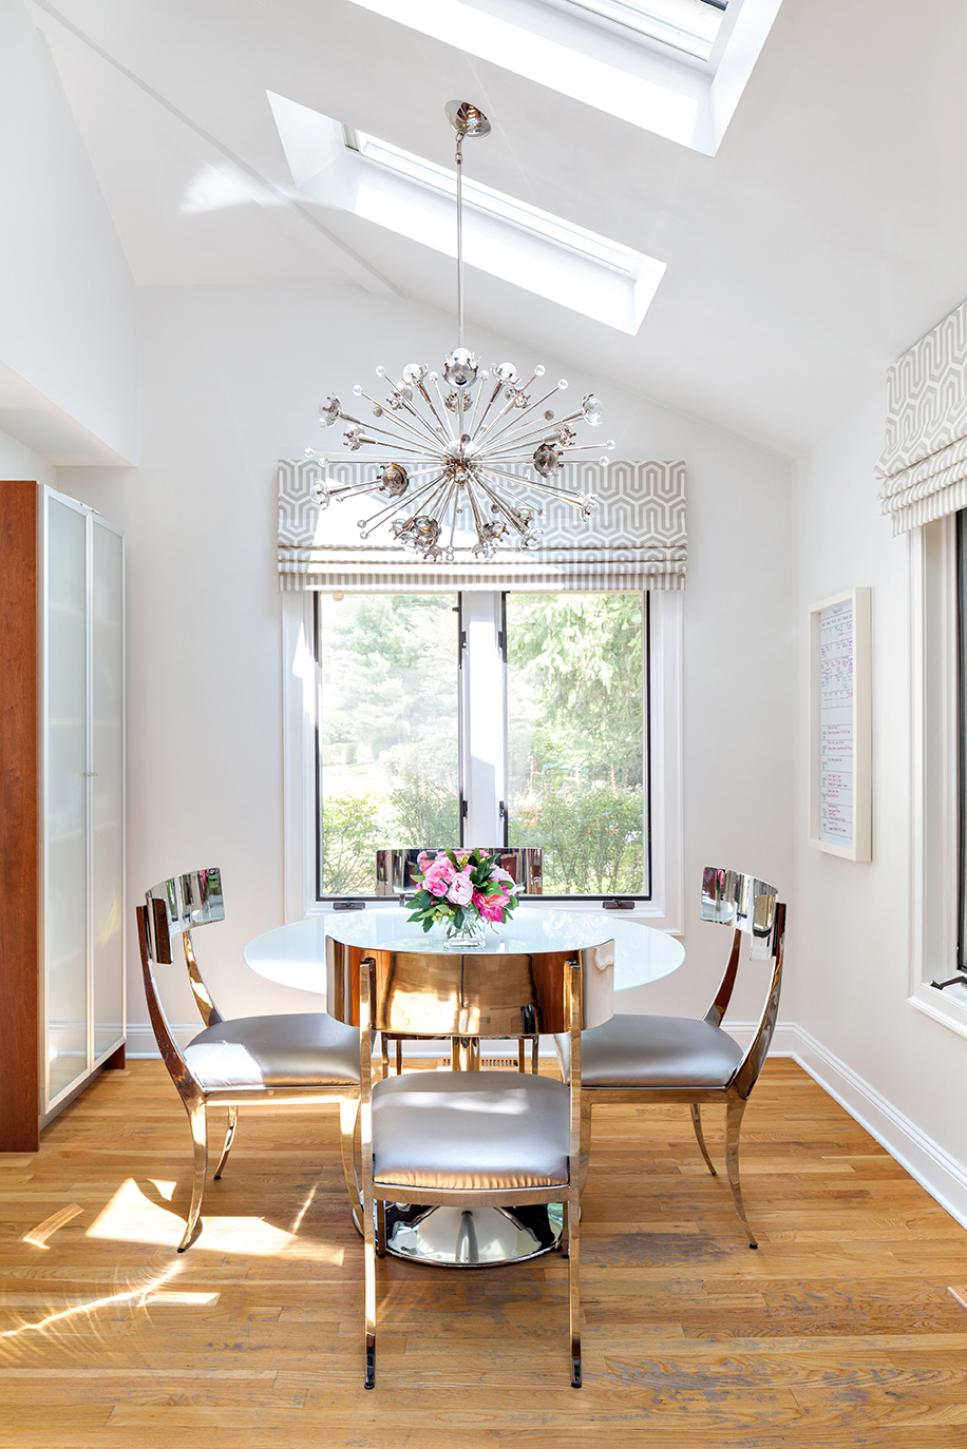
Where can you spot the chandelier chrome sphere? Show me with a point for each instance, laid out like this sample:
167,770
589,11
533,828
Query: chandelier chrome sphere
445,442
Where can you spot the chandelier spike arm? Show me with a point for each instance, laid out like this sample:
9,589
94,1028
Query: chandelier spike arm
453,526
342,491
516,520
442,430
543,433
435,435
521,452
509,427
435,379
398,447
564,495
401,422
399,440
515,389
398,504
529,438
495,394
484,376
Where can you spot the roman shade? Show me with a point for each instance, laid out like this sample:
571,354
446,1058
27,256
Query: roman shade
635,539
924,461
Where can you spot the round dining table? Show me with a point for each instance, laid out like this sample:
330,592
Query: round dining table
294,955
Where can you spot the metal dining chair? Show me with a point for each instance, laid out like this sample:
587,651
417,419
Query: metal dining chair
636,1059
395,875
476,1138
245,1061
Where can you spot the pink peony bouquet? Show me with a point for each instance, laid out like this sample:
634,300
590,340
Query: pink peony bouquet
462,887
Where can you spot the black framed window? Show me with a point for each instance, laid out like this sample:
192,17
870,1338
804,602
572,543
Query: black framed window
484,719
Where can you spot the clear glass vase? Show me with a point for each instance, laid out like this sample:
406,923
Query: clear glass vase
471,936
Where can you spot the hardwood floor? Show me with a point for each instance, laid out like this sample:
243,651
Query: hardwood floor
847,1328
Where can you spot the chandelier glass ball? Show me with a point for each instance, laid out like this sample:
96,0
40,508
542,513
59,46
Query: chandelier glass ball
452,452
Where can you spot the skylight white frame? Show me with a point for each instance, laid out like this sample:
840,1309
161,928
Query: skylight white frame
659,36
645,83
485,200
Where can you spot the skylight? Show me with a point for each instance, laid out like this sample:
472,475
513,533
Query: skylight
691,26
549,256
486,201
676,68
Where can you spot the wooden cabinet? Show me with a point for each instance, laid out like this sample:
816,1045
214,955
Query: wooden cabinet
62,1006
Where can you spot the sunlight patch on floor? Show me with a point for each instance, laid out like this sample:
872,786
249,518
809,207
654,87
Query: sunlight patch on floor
131,1217
38,1236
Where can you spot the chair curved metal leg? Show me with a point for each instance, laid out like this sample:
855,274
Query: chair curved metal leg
696,1112
733,1123
574,1286
199,1137
585,1140
229,1140
349,1152
369,1275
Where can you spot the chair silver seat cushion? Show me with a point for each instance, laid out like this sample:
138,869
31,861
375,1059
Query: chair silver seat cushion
658,1051
291,1050
471,1131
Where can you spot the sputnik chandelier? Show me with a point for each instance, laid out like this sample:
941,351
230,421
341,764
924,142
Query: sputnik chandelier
444,445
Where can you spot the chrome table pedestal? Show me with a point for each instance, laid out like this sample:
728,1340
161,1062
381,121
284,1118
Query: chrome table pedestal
480,1237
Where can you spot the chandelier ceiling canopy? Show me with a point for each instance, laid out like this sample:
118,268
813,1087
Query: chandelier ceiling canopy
444,445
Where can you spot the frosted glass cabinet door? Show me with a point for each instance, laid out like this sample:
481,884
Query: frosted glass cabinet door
65,903
107,793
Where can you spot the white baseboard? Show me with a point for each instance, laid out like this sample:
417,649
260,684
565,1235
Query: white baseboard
930,1164
943,1177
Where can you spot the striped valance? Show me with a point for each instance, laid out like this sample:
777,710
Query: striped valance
924,460
635,539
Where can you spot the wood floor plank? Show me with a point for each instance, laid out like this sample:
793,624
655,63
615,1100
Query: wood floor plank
846,1330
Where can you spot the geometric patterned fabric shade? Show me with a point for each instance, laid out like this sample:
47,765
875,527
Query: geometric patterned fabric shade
636,538
924,461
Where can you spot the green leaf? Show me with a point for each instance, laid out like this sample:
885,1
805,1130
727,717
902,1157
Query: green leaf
428,924
458,916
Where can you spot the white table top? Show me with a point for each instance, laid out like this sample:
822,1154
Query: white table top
295,955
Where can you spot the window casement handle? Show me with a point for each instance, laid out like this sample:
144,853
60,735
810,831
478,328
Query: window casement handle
619,903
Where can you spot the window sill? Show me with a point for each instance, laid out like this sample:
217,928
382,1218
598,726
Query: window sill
948,1007
648,913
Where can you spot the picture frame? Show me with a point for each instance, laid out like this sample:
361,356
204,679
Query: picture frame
840,725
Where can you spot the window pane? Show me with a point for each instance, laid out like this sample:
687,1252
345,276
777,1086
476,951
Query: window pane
577,738
388,731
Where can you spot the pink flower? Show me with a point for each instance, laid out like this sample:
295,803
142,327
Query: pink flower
491,907
438,876
461,889
423,859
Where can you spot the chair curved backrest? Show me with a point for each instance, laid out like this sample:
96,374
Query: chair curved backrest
176,907
395,868
171,910
752,907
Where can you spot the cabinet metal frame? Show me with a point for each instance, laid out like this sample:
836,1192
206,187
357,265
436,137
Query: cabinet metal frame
50,1106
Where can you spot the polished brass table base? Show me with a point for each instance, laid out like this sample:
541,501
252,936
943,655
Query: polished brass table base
480,1237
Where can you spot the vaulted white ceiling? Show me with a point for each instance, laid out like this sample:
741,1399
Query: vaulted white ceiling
828,232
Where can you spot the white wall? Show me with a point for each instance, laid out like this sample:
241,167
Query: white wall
232,380
851,924
20,462
68,373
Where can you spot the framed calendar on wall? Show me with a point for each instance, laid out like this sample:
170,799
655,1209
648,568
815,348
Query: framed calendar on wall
840,732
